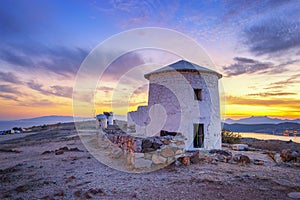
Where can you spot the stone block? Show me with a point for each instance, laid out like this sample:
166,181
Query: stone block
240,147
167,152
138,155
142,163
178,152
178,143
148,156
157,159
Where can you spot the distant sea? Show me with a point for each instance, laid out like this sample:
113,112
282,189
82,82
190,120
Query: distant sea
39,121
7,125
264,136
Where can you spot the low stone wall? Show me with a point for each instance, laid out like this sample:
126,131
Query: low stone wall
148,152
160,157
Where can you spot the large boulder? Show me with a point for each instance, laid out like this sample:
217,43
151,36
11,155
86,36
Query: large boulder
239,158
195,158
287,155
240,147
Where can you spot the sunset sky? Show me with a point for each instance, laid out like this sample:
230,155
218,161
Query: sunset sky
254,44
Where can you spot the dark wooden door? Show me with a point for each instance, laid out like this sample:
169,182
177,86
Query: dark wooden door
198,135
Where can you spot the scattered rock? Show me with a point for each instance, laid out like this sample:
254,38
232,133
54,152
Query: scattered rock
5,195
87,195
240,147
186,160
59,152
277,158
64,148
94,191
10,150
294,195
221,158
75,149
23,188
295,155
221,155
287,155
60,193
272,155
208,159
239,158
77,193
70,179
296,165
178,163
226,145
195,159
134,195
100,190
263,189
46,152
221,152
258,162
11,169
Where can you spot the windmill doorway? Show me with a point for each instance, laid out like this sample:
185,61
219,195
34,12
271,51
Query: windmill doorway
198,135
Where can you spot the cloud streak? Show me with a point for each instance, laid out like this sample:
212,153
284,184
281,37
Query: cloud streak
9,92
32,56
246,66
38,103
294,79
9,77
56,90
272,94
250,66
273,35
122,65
9,89
290,103
9,97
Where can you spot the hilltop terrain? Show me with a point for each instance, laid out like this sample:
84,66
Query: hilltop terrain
54,164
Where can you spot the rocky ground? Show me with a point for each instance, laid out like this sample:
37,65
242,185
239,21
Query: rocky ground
54,164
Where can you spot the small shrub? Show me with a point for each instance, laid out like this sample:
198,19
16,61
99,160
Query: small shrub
230,137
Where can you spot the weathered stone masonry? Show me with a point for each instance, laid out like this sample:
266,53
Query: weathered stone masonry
143,153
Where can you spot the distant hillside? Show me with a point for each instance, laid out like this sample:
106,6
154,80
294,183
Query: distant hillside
5,125
260,120
262,128
37,121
